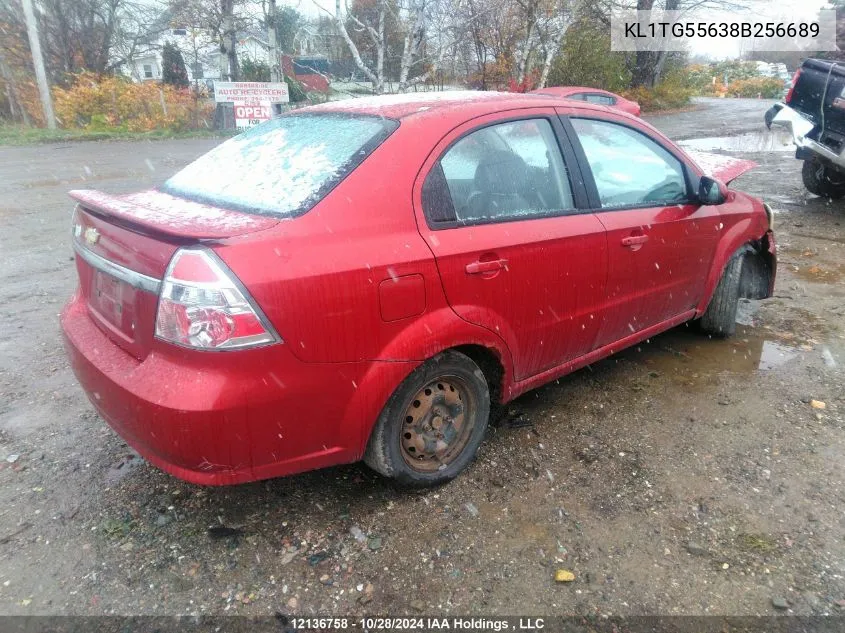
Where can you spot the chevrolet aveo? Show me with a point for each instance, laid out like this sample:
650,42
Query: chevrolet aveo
366,279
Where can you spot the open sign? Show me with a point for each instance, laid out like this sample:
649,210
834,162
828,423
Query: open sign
261,112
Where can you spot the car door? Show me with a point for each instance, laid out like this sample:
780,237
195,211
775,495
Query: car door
660,240
498,204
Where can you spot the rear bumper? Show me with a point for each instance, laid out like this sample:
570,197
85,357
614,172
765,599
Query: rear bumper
226,417
800,126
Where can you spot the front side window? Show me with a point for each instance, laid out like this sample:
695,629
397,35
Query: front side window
148,71
282,167
505,171
629,168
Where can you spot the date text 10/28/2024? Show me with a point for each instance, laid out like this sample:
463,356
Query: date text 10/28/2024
419,624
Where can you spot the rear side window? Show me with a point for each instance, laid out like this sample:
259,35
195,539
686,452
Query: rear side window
598,99
283,167
628,167
497,173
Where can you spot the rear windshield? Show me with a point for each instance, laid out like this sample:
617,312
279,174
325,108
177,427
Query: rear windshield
283,167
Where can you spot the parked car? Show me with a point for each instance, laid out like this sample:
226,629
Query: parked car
814,113
593,95
367,278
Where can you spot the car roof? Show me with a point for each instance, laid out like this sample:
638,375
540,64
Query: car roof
454,102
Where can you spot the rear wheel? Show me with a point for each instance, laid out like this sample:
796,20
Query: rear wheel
823,180
433,424
720,317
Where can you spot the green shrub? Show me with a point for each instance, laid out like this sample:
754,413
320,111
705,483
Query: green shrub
585,59
758,87
173,71
296,92
670,94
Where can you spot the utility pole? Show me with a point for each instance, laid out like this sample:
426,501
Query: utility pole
275,74
38,63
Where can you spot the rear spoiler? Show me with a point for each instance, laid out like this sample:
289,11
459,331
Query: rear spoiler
159,213
724,168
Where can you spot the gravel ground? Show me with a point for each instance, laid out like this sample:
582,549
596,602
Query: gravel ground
683,476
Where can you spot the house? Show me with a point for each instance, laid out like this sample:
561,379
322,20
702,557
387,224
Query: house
200,52
202,56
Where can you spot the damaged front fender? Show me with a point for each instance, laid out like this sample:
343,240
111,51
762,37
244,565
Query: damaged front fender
759,268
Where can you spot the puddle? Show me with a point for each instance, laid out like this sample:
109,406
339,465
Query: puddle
686,355
775,354
765,141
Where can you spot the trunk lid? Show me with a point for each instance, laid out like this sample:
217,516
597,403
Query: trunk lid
160,213
123,245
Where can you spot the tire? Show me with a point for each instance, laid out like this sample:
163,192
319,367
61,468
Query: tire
821,180
720,317
424,439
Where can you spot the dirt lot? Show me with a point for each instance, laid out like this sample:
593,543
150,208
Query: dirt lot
685,476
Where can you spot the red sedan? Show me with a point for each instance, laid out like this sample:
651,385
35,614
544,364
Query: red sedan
365,279
593,95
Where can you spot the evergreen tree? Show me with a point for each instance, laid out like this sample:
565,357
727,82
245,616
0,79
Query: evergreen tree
173,70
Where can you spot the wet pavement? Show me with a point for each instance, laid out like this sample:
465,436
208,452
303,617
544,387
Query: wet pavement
686,475
762,141
709,117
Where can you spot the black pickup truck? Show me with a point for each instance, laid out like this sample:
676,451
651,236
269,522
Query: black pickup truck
814,112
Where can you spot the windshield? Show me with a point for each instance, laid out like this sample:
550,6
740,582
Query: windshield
283,167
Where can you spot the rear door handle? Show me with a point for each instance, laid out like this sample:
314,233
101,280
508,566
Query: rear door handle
476,268
634,240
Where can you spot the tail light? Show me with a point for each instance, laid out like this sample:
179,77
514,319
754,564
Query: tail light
792,86
203,306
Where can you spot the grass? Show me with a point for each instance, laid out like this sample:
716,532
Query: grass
22,135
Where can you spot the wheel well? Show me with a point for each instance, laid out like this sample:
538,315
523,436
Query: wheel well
757,270
491,366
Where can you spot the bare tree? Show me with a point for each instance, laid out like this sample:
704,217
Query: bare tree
219,19
140,25
432,29
552,24
375,32
648,65
228,41
79,35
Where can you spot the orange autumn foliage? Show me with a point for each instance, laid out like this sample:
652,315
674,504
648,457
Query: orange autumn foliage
110,102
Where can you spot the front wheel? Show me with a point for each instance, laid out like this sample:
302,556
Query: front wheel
430,429
822,180
720,317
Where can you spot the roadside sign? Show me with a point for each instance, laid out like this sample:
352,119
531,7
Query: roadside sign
253,101
249,115
249,91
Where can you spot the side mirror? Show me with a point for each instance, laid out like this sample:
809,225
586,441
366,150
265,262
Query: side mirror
712,191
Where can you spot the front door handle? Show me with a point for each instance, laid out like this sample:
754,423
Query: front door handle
476,268
634,240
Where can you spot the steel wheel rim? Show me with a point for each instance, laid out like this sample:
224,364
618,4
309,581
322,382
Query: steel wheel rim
436,425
